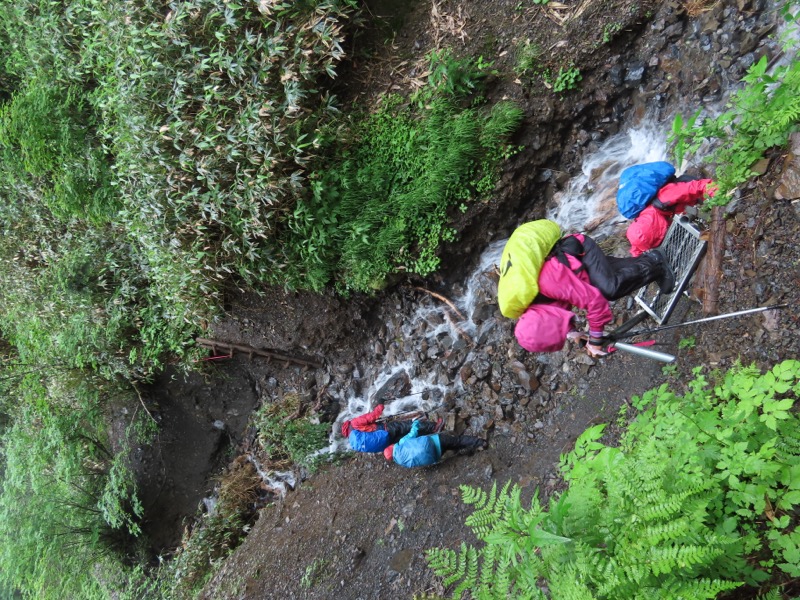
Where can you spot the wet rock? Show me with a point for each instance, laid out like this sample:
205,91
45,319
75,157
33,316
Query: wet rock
486,333
634,73
483,312
481,368
397,386
616,75
674,30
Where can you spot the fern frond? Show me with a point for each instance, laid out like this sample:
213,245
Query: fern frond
468,565
674,558
699,589
490,510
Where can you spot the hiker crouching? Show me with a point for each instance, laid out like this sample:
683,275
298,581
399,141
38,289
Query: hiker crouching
366,434
650,226
577,274
415,450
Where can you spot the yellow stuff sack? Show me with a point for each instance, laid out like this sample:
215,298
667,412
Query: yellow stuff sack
523,256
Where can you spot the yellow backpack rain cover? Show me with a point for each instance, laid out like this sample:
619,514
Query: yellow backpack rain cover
523,256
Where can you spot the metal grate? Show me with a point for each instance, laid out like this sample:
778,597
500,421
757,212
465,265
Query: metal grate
684,249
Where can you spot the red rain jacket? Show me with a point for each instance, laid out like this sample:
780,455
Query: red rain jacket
366,422
649,228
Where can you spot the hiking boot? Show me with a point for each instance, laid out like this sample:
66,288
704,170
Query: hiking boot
666,283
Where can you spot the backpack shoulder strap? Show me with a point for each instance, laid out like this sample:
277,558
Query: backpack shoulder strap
568,245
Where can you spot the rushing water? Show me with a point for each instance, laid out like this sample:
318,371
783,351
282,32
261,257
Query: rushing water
589,201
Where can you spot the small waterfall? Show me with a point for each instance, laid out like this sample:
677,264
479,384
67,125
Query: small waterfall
425,396
589,201
276,481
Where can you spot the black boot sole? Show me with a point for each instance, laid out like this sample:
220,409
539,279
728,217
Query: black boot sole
667,282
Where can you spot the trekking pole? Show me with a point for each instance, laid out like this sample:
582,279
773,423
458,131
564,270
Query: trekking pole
614,337
638,350
644,352
397,416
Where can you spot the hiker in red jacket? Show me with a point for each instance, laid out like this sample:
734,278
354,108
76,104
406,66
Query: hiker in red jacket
578,274
650,226
366,434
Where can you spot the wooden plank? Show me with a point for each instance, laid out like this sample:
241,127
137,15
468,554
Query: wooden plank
713,267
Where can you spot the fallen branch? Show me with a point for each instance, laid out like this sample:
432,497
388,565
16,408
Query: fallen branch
149,414
443,299
460,332
458,329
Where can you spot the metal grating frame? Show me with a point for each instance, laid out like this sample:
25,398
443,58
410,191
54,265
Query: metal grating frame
684,250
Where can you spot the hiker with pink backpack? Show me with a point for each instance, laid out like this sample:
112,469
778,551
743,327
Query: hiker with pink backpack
543,277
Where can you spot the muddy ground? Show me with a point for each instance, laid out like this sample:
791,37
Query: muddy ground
358,529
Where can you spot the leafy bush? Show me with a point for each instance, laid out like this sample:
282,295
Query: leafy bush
288,438
225,170
381,205
700,497
566,79
528,59
210,111
47,143
456,77
67,500
760,116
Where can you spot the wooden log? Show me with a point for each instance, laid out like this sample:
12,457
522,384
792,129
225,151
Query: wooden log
713,267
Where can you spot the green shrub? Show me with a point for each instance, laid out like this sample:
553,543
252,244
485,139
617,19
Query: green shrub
700,497
287,438
456,77
67,500
566,79
210,111
157,154
528,59
759,116
47,143
381,205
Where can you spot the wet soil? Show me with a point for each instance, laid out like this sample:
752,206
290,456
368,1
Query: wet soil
359,529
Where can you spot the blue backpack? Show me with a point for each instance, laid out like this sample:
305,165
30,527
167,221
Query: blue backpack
639,184
369,441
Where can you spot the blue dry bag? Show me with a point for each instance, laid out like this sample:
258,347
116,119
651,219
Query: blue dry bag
639,184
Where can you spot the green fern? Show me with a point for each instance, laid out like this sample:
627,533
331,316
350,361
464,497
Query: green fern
761,116
675,514
489,509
